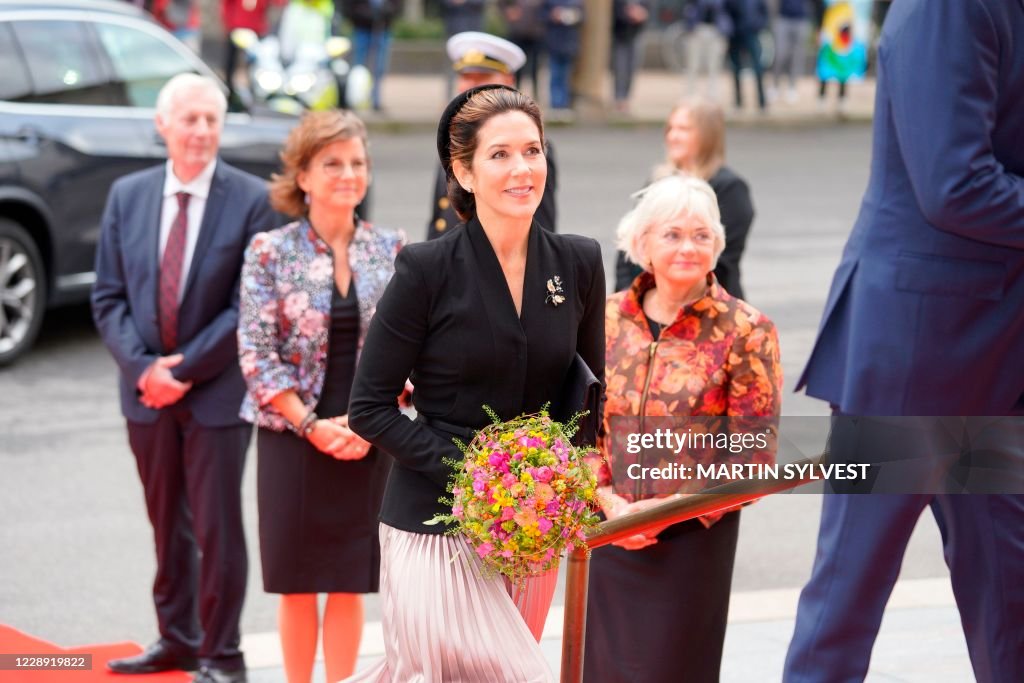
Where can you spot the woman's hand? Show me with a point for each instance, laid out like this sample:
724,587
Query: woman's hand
328,436
615,506
355,447
646,504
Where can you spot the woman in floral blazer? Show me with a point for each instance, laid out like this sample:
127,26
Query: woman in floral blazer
309,290
677,346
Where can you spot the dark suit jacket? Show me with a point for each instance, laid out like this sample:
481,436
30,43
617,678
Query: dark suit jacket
926,311
447,320
124,299
444,218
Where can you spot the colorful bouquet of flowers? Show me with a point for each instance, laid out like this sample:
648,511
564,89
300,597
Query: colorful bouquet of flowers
523,494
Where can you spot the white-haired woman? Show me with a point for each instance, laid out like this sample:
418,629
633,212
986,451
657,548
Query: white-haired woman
678,346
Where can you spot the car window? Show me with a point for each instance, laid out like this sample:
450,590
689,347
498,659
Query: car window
14,85
62,66
142,62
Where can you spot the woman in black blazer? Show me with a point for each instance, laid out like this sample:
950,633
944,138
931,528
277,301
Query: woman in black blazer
471,319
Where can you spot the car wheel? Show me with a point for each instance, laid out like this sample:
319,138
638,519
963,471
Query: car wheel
22,291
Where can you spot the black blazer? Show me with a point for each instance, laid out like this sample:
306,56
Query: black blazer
447,321
124,298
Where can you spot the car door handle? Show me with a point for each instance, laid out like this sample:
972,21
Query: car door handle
26,134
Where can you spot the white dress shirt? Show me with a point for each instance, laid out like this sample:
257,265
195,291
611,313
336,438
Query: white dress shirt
198,190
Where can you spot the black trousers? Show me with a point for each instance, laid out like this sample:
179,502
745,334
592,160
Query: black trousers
192,479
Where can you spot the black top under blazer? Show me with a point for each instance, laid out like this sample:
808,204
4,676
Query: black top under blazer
448,322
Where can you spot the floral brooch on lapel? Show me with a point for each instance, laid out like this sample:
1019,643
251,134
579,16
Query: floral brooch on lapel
555,293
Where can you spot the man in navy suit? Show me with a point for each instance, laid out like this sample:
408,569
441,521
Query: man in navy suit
166,305
926,318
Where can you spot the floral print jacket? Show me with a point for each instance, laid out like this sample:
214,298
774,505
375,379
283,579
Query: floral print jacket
719,358
285,308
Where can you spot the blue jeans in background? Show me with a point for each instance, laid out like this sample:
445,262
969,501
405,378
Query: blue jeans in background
560,66
373,47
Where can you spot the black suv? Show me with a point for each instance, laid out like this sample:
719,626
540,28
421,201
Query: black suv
78,86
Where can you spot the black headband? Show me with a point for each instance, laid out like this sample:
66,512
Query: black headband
444,151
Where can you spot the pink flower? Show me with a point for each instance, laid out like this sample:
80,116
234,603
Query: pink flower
551,508
484,549
544,524
544,492
311,323
508,480
457,510
268,312
544,474
499,461
295,304
526,517
507,513
321,268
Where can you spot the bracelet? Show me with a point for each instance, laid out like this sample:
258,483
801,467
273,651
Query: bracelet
306,427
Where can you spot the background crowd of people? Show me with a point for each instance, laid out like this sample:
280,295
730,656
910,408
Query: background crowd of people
754,35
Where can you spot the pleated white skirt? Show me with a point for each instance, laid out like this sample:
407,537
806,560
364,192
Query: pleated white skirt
444,622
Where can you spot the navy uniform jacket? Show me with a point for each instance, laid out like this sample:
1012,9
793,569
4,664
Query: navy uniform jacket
926,311
124,298
448,322
443,217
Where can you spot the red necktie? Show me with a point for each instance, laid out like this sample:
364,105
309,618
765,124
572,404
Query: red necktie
170,275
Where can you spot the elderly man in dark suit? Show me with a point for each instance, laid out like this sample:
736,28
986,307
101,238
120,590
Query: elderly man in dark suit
166,305
926,318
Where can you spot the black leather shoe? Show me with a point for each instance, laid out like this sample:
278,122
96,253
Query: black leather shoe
210,674
156,658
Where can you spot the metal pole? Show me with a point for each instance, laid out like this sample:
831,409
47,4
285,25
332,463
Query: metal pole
574,625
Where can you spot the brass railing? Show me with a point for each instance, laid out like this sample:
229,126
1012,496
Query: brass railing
679,510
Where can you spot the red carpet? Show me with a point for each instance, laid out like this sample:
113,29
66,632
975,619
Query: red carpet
13,641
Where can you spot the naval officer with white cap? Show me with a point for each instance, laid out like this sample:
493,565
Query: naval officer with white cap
481,59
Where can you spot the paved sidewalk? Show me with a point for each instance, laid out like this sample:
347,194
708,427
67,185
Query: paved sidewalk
920,640
419,100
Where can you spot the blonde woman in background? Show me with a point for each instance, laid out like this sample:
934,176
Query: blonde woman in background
695,145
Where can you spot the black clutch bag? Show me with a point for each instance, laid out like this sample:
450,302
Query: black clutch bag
581,391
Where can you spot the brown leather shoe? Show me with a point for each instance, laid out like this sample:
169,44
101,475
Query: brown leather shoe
156,658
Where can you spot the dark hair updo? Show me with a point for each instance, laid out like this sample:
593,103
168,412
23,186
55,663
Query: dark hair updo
460,126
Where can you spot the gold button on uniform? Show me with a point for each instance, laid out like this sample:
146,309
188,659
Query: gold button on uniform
443,203
440,224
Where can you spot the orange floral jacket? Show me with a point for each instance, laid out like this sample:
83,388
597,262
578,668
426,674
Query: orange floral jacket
719,358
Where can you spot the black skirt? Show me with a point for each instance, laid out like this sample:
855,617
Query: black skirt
658,615
317,515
